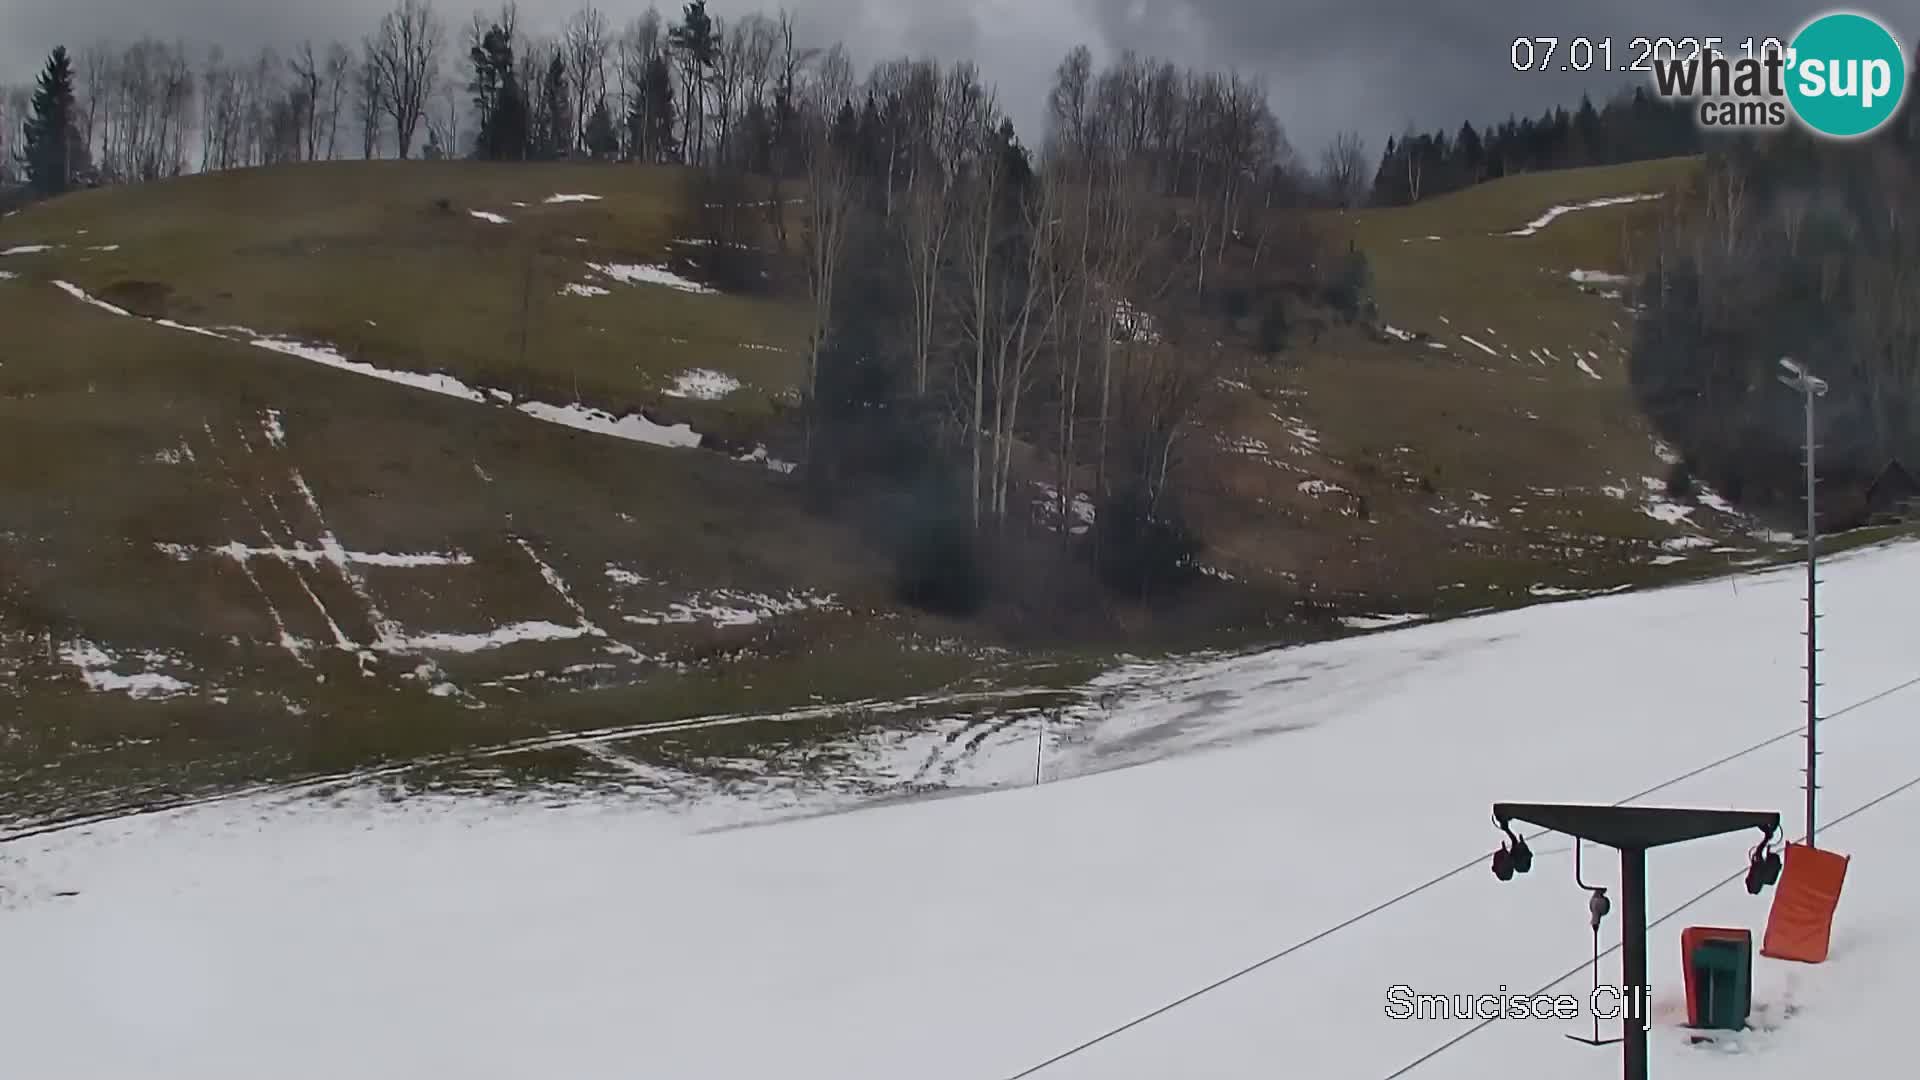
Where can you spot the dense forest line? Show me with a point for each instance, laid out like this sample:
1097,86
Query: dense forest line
1789,246
1632,126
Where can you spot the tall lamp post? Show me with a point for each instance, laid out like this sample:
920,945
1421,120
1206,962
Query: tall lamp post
1810,386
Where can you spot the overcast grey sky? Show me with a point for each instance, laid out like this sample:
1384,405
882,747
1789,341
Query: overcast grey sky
1373,65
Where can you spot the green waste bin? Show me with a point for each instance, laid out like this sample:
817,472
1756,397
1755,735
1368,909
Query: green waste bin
1723,983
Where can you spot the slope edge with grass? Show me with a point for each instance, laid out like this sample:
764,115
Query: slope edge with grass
325,468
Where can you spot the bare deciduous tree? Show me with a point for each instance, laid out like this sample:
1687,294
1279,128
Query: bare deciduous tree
370,99
979,265
309,75
930,204
336,76
1343,169
405,58
1030,312
636,47
587,41
830,206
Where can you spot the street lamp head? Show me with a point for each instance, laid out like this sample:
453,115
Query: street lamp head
1801,379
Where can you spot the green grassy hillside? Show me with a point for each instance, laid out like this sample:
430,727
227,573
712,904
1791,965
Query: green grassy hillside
1480,445
221,563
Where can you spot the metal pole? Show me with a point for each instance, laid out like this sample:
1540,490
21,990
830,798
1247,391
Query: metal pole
1633,961
1040,748
1812,619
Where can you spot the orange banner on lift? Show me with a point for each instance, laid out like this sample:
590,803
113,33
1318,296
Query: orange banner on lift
1800,926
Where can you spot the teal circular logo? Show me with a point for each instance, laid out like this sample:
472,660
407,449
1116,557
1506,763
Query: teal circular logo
1846,74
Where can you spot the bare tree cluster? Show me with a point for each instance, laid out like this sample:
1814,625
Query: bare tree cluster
137,109
1788,246
1048,313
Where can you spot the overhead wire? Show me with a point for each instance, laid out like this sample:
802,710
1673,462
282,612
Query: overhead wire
1610,950
1477,860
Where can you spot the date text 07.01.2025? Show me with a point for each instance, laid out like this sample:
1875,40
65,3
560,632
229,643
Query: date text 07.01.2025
1604,54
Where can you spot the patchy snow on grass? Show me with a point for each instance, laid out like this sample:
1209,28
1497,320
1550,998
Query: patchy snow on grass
312,556
513,634
729,607
171,325
1478,345
642,274
1713,501
27,249
1550,590
1378,622
1048,504
1555,212
276,433
571,198
1668,560
1471,520
1306,440
181,455
7,275
321,354
713,243
1396,333
577,289
763,348
633,427
96,665
1586,368
760,456
80,294
492,218
622,576
1317,488
1666,511
1688,543
703,384
1598,277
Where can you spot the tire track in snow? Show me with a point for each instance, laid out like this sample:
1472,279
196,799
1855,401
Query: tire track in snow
583,621
287,640
385,629
341,641
603,752
578,740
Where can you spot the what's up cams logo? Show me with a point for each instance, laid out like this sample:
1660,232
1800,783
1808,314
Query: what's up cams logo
1843,76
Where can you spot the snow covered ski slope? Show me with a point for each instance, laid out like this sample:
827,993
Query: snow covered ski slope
973,938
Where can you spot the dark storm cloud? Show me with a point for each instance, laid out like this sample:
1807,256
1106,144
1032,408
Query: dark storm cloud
1379,65
1373,65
